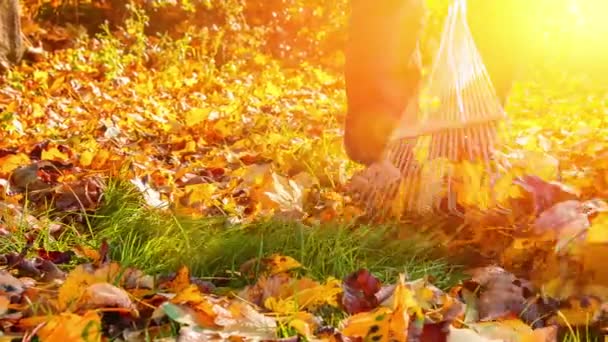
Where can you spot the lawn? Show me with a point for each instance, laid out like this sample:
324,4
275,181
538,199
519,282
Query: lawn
193,183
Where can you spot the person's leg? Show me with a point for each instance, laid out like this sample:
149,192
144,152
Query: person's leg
382,75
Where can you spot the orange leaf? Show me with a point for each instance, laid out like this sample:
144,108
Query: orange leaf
4,303
180,282
192,298
71,327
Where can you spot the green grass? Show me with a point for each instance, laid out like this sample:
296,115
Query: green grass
160,242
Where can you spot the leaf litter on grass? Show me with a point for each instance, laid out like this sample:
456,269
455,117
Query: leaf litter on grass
97,302
203,139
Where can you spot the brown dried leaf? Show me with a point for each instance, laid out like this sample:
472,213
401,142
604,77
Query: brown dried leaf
104,295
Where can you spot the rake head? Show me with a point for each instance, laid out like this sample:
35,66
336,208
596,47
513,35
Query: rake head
454,128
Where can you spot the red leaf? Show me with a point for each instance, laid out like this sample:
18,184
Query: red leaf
545,194
55,257
360,290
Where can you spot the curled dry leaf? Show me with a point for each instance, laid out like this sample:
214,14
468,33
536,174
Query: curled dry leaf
104,295
38,268
83,194
566,223
514,330
495,293
83,276
545,194
26,178
287,194
152,197
9,285
194,308
55,257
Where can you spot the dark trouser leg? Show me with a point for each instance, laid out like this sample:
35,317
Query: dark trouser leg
381,78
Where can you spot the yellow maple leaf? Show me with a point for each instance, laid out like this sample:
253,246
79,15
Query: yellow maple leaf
53,154
598,232
74,286
312,297
277,263
200,193
80,278
11,162
195,116
72,327
86,158
281,306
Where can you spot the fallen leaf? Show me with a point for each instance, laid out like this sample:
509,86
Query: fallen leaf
104,295
72,327
566,222
359,292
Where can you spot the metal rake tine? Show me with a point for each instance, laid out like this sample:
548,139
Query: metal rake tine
402,157
438,176
461,82
411,181
389,198
451,153
490,132
494,174
404,164
470,144
453,204
369,194
452,197
415,182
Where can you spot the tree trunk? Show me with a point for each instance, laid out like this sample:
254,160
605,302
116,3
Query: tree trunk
11,45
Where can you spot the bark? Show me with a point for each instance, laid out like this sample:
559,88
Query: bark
11,44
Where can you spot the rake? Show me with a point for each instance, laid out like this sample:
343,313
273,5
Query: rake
452,132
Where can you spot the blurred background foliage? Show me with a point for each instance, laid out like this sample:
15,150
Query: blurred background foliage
293,31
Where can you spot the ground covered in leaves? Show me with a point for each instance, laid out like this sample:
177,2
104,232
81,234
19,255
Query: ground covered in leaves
155,186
